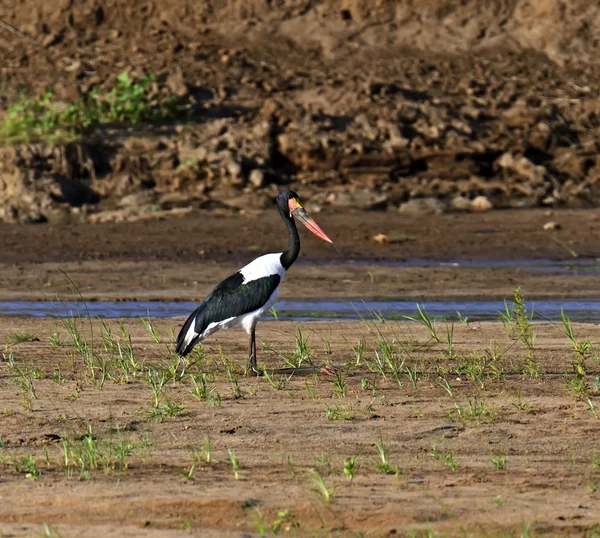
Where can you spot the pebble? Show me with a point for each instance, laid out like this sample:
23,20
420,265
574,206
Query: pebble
257,178
422,205
381,238
461,203
234,169
552,225
176,83
480,204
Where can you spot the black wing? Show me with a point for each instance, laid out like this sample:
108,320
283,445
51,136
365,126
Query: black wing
231,298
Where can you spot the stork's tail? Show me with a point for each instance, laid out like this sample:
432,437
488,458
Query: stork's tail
188,337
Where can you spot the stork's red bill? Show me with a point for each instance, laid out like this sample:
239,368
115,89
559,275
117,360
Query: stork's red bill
298,212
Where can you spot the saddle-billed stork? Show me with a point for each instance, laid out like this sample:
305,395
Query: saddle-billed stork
241,299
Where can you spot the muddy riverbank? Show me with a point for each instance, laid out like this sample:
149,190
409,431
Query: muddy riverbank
438,256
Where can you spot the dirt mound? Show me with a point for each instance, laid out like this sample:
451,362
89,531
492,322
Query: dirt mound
427,106
561,30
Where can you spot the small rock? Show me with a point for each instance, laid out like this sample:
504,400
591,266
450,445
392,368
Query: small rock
523,167
367,199
273,85
396,140
477,146
480,204
552,225
52,39
460,203
434,132
8,213
257,178
366,129
221,91
262,129
176,83
354,149
381,238
422,205
285,142
73,67
269,109
470,112
233,169
169,200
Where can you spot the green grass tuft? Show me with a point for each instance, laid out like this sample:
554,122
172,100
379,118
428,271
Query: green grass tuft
22,336
130,101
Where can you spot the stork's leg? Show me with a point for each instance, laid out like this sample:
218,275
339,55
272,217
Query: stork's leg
252,350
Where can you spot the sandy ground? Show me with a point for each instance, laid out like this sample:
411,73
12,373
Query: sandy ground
280,429
359,107
182,259
440,448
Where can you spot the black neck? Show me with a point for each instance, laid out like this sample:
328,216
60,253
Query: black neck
290,255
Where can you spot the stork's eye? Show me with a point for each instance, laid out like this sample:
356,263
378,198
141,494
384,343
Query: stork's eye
293,204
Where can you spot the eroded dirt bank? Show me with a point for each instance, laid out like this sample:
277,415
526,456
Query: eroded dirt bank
370,105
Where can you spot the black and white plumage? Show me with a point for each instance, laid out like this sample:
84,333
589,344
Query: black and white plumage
241,299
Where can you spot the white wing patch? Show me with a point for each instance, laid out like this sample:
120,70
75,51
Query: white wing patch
219,325
267,265
189,336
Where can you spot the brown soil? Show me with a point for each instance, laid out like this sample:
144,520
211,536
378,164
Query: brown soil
398,119
369,105
279,432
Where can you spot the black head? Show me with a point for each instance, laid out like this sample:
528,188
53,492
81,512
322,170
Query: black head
290,208
283,201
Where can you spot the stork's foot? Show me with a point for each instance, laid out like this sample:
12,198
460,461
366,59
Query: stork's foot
327,370
253,369
182,365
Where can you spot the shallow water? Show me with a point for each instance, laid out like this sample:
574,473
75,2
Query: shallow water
356,309
588,310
